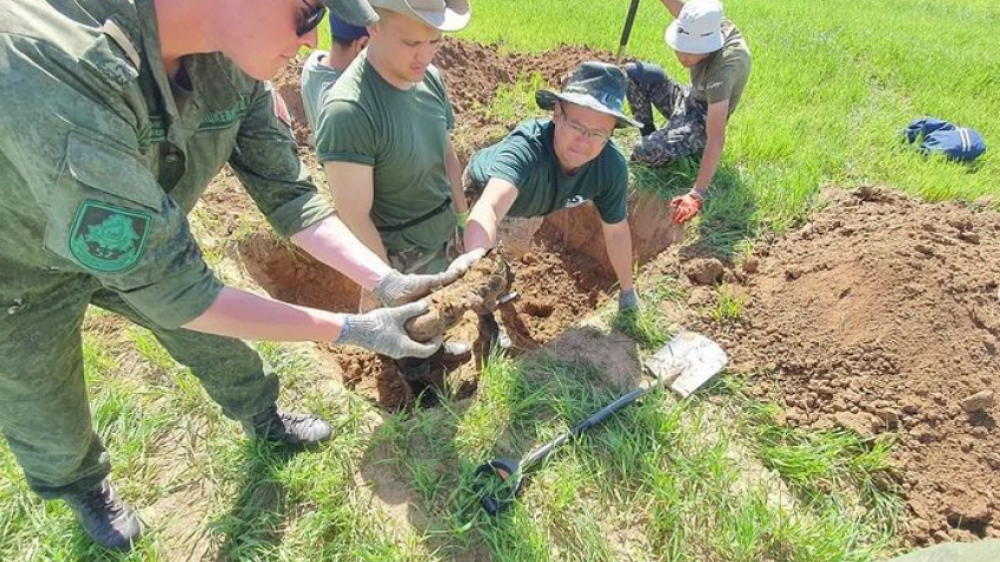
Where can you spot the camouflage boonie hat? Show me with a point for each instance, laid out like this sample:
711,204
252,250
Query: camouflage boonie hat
354,12
594,85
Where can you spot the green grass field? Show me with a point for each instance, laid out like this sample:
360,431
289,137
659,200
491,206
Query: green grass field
712,478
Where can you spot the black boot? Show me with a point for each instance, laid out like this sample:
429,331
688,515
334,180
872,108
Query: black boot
286,428
424,380
106,519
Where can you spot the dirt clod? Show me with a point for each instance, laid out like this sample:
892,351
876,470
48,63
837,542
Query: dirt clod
705,271
979,402
477,290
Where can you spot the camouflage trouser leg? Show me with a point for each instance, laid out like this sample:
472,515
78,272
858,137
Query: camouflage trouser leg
43,396
44,409
232,372
684,134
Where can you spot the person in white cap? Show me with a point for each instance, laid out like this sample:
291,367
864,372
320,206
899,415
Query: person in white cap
715,53
383,136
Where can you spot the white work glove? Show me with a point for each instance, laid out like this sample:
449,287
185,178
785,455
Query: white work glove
383,331
398,288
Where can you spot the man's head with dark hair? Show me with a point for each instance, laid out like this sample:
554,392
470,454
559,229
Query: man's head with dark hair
345,34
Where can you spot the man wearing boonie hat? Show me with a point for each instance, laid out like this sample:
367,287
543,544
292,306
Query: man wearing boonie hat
546,165
322,69
383,136
714,51
144,102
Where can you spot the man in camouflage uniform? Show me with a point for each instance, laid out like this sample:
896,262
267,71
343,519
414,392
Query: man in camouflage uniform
382,134
114,117
715,52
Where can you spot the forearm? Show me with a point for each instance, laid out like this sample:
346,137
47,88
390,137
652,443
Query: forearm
618,243
454,169
674,6
480,232
331,242
364,229
709,164
243,315
481,228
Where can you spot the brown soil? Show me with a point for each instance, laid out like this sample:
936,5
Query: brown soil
881,315
559,280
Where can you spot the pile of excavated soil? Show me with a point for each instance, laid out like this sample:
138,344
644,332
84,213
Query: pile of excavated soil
475,72
882,315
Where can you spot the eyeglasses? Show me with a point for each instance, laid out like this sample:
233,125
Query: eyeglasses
591,135
310,19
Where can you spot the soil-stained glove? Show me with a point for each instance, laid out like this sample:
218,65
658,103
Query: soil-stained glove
383,331
463,263
400,288
686,206
628,300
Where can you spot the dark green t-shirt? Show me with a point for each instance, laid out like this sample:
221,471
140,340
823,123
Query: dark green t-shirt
724,73
527,159
403,136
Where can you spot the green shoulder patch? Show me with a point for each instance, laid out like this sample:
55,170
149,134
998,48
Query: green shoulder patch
107,238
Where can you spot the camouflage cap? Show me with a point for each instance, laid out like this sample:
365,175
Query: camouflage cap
354,12
595,85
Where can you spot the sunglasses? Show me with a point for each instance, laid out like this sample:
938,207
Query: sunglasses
310,19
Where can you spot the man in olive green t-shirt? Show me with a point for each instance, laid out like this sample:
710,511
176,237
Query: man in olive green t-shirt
551,164
716,54
383,136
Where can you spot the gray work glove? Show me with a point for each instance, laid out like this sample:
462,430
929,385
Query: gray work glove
398,288
383,331
628,300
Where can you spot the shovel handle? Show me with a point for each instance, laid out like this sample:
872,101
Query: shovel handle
629,20
539,454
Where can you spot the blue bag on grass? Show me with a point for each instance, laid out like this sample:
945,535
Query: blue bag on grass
941,137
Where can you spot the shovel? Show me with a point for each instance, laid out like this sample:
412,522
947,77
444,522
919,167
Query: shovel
686,363
629,20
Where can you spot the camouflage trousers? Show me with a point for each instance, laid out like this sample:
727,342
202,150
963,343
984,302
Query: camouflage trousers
44,410
684,134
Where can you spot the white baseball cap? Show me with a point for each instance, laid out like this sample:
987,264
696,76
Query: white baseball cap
698,28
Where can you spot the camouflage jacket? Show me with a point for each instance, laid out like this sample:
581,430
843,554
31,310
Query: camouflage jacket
102,156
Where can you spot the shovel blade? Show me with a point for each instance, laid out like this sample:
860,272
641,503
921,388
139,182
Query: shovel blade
687,362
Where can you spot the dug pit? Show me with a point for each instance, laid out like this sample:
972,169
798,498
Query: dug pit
562,272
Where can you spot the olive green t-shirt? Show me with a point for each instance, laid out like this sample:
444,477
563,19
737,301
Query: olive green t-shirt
723,74
527,159
403,136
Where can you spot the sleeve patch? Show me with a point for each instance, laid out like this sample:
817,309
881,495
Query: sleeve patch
107,238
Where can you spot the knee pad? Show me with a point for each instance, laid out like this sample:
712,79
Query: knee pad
645,73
